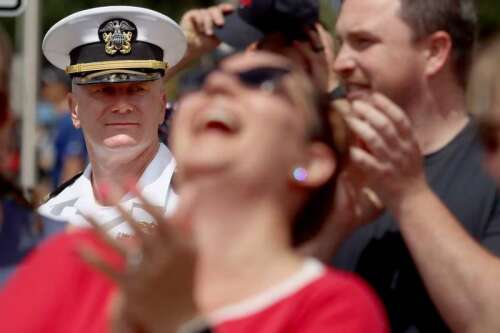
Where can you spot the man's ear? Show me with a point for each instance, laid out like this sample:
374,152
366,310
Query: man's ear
438,52
320,166
73,106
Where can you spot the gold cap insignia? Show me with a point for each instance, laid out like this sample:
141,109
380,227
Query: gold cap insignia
118,35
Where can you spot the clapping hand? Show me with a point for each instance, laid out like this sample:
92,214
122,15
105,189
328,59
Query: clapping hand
390,160
156,285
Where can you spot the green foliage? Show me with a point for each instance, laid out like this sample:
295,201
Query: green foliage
328,15
489,16
54,10
488,12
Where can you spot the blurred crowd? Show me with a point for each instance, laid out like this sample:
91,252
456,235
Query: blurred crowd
305,180
60,148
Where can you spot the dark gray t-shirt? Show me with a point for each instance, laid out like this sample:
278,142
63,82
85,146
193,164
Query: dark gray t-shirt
378,253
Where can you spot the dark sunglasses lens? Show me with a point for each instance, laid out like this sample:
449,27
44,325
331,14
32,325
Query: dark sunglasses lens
257,76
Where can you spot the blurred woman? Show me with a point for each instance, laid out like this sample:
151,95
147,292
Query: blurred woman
255,146
257,163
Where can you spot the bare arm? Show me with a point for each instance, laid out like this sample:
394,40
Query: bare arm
155,289
460,275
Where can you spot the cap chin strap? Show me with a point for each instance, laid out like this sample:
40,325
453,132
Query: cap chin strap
118,64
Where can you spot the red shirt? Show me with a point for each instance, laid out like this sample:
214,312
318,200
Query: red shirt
317,300
55,291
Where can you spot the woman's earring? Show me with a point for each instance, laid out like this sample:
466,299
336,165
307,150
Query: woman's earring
300,174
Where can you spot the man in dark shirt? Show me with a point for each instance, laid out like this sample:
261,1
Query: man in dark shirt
379,253
419,154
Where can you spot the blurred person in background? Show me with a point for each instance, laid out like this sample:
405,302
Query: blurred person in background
419,152
9,164
489,117
67,146
116,57
232,245
20,227
5,117
484,75
5,60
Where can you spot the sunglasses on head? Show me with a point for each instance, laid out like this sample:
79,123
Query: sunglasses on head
489,134
259,77
262,77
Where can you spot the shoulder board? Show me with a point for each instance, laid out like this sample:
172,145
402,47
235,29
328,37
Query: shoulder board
62,187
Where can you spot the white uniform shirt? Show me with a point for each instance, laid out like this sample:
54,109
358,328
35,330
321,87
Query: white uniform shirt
78,198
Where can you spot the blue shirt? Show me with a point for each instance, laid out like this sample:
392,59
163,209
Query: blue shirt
20,233
68,142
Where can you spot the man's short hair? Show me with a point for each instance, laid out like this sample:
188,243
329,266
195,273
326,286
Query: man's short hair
456,17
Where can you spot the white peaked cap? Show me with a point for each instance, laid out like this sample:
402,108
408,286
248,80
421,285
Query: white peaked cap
82,28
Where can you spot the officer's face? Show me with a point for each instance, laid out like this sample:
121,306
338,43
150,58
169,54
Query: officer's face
252,134
119,115
377,51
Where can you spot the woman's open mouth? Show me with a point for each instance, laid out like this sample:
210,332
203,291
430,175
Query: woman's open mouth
217,121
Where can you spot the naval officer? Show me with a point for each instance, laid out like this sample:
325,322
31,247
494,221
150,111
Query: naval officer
116,57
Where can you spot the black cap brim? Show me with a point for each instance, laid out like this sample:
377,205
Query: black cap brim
237,33
116,76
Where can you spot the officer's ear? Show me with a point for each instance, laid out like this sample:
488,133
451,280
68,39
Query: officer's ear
73,106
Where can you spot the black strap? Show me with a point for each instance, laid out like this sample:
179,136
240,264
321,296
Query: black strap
62,187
